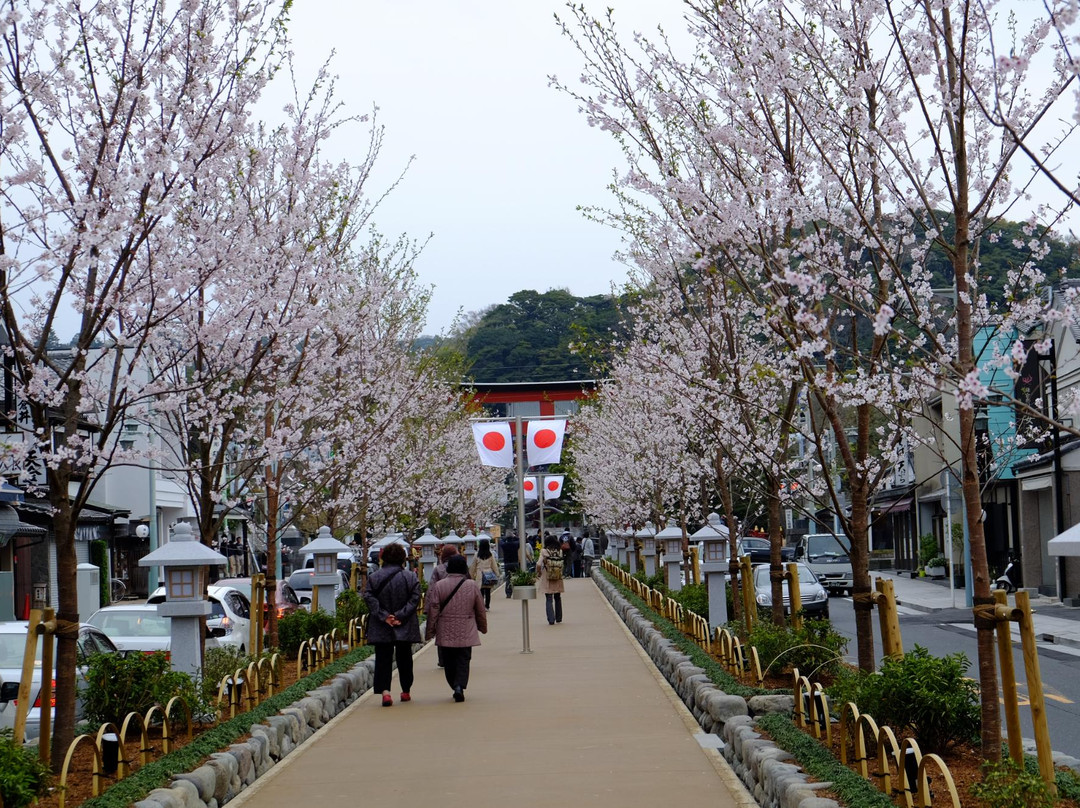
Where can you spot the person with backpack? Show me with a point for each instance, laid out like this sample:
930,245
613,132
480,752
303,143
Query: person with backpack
392,595
549,579
457,619
485,570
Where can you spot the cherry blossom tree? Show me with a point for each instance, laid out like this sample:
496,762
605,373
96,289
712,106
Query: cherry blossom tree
830,148
115,117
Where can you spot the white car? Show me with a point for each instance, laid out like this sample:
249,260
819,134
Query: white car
134,627
300,581
12,648
230,614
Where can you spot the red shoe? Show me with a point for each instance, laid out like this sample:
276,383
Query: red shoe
406,697
387,700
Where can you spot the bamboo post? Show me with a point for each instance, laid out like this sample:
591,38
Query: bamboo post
794,595
888,619
46,629
1008,674
1035,692
747,579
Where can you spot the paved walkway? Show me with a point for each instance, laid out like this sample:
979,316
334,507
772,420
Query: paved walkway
1054,622
584,720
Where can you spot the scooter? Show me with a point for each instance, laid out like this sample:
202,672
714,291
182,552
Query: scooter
1009,580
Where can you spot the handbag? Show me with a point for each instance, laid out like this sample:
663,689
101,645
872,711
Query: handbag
488,578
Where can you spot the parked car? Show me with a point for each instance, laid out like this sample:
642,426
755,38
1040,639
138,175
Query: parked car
345,561
12,648
758,550
139,627
230,613
815,600
300,581
286,600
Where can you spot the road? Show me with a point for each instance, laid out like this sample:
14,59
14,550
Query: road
949,631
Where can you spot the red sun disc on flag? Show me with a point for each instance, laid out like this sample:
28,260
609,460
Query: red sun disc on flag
545,438
529,485
494,441
553,485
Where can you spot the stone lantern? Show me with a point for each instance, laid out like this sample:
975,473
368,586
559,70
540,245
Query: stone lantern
622,540
427,544
325,549
185,560
647,537
453,538
714,563
670,541
470,541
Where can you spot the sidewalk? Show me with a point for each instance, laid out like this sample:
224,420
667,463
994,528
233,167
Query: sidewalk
586,719
1054,622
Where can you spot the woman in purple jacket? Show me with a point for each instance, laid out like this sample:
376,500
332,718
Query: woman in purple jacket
456,620
392,595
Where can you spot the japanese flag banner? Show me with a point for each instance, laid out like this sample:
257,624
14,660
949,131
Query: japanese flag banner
553,486
494,444
545,439
530,488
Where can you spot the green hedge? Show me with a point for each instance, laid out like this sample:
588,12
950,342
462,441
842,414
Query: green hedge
156,775
713,669
99,557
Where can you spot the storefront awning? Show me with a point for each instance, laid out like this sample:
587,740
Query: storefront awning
11,526
896,506
1065,544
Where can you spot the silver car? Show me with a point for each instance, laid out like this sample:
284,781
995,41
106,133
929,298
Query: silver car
815,600
12,648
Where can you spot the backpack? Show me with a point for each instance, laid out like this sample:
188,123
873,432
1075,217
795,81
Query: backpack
553,567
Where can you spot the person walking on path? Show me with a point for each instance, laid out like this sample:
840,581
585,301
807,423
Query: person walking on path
485,570
457,619
510,547
549,579
588,552
392,595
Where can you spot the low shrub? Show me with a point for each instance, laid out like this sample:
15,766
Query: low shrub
814,649
349,605
118,685
23,777
654,581
1007,784
694,598
301,625
928,695
217,664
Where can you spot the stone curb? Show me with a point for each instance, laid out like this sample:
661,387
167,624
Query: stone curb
768,772
227,773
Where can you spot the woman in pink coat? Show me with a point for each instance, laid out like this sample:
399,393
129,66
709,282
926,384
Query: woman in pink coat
456,620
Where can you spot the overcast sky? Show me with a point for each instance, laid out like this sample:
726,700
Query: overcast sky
502,160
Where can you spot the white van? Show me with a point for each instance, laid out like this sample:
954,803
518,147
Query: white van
828,558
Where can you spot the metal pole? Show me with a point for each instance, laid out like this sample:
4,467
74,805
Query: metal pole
540,501
1059,479
521,530
152,519
948,535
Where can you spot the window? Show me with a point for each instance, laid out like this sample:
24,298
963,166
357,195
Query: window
566,407
526,409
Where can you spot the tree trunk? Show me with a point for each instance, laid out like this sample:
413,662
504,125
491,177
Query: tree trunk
776,541
66,615
860,579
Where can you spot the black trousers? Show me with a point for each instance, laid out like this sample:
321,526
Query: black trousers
384,665
456,664
486,591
